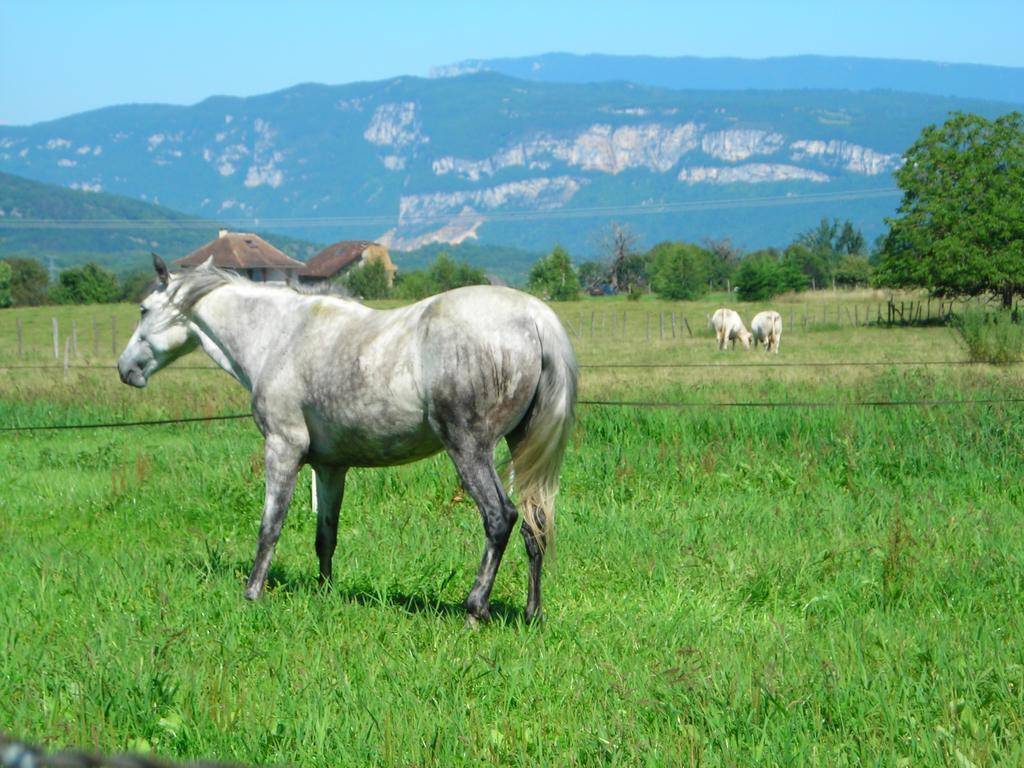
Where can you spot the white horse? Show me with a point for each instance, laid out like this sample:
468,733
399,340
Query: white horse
729,326
336,384
767,329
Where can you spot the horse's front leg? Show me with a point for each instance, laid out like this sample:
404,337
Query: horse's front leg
282,465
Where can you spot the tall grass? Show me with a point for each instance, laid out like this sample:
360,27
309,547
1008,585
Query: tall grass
757,586
991,336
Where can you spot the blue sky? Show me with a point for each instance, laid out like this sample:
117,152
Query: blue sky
59,57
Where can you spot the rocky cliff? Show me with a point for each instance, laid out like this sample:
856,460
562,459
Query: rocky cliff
415,161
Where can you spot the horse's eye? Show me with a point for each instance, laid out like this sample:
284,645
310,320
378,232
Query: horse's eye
143,311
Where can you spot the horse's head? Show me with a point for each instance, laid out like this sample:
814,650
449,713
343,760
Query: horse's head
162,336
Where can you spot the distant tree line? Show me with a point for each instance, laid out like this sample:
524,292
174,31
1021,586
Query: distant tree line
833,254
26,283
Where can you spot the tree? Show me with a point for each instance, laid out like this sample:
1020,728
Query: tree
368,281
136,285
725,259
852,270
89,284
591,273
679,271
625,267
960,226
811,263
5,284
554,277
443,275
29,282
763,274
824,247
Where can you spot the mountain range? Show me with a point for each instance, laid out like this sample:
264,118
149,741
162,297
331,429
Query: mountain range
481,156
972,81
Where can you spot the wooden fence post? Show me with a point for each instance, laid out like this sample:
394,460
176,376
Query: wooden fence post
67,353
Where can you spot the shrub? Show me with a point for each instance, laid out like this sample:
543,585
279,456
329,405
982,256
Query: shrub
368,281
88,284
990,336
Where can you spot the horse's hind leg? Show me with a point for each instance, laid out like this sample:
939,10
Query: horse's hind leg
282,465
533,540
479,478
535,553
330,490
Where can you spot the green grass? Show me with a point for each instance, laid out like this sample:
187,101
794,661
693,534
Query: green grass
732,586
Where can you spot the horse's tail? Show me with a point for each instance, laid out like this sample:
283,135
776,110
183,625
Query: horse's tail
544,432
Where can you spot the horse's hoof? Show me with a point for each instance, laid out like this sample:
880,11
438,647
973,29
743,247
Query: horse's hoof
252,593
473,623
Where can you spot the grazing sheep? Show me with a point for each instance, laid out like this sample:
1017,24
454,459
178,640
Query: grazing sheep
767,329
729,326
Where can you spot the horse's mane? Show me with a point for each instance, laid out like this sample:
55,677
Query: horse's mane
188,288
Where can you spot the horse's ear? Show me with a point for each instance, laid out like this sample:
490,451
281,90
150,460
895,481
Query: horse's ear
208,264
161,270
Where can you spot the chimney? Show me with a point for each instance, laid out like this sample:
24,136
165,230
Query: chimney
222,232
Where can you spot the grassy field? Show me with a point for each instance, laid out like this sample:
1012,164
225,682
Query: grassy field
733,586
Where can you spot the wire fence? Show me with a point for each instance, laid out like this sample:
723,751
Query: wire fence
654,404
719,366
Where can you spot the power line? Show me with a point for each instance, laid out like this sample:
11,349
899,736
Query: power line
492,215
597,403
119,424
788,364
805,403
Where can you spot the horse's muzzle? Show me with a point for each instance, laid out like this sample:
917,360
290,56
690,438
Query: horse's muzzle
131,374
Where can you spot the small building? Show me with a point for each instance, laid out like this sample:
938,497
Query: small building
335,260
248,255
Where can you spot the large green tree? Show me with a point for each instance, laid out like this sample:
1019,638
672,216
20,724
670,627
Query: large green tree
960,227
